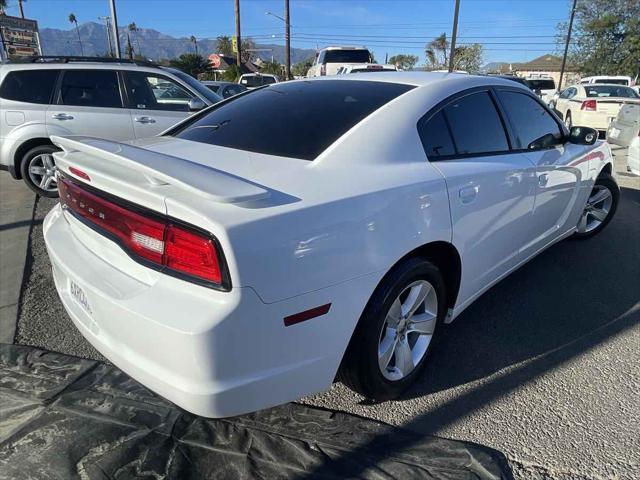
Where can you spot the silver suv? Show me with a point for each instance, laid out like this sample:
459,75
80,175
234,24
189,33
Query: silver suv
99,97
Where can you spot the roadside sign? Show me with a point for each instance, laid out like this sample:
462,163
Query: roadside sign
18,37
234,44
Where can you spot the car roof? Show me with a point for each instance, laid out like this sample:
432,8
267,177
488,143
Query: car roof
418,78
10,66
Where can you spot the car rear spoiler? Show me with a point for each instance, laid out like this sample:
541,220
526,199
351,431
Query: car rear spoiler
161,169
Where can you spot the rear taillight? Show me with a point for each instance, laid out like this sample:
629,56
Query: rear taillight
323,69
159,242
589,105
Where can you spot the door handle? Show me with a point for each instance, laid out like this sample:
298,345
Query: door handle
62,116
543,180
144,120
468,194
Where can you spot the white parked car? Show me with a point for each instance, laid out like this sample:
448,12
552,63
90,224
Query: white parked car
633,156
330,59
313,228
609,79
366,68
594,105
626,126
102,97
255,80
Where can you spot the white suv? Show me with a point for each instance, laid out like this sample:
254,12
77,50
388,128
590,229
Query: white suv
113,99
329,60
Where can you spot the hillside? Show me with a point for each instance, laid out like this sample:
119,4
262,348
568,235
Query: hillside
152,44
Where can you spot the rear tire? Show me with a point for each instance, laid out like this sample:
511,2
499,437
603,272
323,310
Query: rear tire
600,207
379,327
38,170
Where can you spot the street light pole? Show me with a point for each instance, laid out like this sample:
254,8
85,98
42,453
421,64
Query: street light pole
114,25
454,34
287,53
566,45
238,40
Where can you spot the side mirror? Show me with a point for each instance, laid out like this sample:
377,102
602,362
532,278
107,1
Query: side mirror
583,135
195,104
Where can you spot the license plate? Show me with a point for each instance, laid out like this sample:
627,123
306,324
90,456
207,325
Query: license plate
79,296
614,133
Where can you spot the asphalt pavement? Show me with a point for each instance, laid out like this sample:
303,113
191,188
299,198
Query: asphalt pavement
544,367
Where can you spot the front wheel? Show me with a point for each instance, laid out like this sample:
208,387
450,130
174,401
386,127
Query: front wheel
600,207
39,170
395,334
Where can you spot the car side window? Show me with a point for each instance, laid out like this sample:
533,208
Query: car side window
148,91
435,136
533,126
29,86
475,125
90,88
566,93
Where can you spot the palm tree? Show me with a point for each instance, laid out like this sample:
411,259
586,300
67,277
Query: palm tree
194,40
224,45
437,48
134,28
74,20
3,5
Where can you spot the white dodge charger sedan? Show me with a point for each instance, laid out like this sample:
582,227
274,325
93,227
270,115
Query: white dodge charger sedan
313,230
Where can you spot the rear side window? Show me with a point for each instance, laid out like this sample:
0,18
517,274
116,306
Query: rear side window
292,119
435,136
475,125
533,126
30,86
347,56
90,88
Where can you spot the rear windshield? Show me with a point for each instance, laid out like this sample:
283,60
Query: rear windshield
292,119
256,81
599,91
614,81
540,84
347,56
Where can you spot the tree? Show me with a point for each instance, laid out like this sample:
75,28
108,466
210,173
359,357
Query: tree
191,63
437,51
224,46
405,62
300,69
273,68
3,5
605,38
134,29
74,20
232,73
248,56
194,40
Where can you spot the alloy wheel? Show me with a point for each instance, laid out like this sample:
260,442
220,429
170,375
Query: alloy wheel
407,330
596,210
42,172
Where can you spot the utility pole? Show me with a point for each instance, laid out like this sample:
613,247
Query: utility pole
287,37
108,29
114,25
238,40
566,45
453,36
21,9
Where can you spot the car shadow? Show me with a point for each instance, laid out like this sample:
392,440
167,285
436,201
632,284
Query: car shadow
569,291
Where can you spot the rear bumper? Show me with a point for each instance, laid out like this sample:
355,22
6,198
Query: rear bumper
215,354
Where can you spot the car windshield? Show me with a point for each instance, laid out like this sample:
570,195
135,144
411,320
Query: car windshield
291,119
347,56
196,85
253,81
541,84
610,91
614,81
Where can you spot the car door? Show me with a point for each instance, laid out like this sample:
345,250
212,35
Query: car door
90,102
156,102
491,189
562,104
562,173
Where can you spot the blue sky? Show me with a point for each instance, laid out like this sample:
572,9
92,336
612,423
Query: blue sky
510,30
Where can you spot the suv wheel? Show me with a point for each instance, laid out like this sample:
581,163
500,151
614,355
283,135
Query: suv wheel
39,170
390,345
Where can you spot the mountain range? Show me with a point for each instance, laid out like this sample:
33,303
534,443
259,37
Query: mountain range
150,43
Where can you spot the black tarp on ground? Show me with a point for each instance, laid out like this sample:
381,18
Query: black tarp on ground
63,417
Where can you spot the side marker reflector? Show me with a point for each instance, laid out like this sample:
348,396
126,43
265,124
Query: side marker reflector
306,315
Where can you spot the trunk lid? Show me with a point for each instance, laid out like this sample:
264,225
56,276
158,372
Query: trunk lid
611,106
